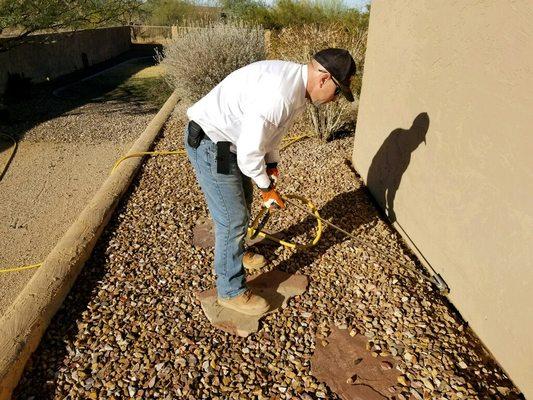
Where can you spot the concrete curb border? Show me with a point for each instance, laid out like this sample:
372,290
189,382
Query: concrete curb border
26,319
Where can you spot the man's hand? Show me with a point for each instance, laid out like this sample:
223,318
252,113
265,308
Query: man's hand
271,196
273,174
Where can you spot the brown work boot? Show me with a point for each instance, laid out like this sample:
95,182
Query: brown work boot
253,261
246,303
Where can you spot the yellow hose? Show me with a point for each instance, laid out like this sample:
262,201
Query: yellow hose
20,268
288,141
148,153
291,140
294,246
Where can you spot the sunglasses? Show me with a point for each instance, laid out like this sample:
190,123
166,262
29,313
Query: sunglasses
337,86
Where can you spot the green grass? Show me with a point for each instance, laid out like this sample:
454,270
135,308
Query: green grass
136,81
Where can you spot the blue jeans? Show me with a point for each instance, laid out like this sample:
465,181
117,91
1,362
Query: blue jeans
228,198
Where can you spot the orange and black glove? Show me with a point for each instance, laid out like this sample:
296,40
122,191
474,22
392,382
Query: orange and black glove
273,172
271,196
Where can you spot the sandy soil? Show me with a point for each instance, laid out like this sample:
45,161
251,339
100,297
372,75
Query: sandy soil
41,194
67,146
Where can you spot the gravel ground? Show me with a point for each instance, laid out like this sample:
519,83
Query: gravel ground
132,327
102,117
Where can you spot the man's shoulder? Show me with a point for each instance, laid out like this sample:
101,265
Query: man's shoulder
271,67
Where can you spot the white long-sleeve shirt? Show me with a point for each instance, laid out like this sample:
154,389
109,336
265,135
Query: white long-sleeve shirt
253,107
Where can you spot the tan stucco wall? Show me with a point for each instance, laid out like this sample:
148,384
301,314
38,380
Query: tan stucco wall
462,72
52,55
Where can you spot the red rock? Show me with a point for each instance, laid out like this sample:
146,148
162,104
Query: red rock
349,369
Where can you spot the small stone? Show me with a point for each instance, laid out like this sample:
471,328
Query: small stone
416,384
463,365
504,391
428,384
416,394
206,366
402,380
151,383
351,380
408,357
385,365
110,385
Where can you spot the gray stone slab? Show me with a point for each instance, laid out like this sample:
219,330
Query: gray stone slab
275,286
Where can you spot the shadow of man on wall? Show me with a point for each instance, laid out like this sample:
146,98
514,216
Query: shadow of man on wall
392,160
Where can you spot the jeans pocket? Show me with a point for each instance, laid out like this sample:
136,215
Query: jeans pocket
209,154
191,152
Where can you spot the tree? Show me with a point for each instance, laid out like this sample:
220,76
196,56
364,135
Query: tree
169,12
30,16
286,13
247,10
34,15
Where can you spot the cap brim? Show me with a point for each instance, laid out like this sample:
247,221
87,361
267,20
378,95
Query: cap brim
347,92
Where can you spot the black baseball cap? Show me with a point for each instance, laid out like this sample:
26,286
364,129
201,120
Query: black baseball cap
340,64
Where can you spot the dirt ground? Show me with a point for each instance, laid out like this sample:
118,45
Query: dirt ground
45,188
67,147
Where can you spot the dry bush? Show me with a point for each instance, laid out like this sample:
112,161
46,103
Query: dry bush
203,56
299,44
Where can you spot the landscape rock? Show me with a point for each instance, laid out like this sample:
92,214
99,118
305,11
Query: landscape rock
274,286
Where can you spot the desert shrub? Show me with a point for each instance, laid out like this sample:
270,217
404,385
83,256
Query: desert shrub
177,12
251,11
201,57
290,13
166,12
340,114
